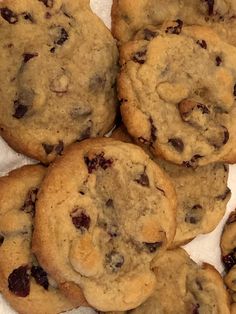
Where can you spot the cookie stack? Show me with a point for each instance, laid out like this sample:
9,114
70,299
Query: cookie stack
102,226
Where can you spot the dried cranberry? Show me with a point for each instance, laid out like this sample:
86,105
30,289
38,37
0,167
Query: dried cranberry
210,6
19,281
1,239
40,276
152,247
177,143
229,260
63,37
114,261
97,161
149,35
175,29
29,205
140,56
143,179
9,15
20,109
202,43
218,61
80,219
28,56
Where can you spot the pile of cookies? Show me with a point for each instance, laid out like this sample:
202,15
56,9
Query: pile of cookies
99,223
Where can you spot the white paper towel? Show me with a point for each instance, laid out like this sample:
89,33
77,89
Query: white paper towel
204,248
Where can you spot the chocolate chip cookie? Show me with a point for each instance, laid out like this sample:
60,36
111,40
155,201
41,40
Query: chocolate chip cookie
199,209
24,283
58,70
129,16
185,287
105,210
178,95
228,251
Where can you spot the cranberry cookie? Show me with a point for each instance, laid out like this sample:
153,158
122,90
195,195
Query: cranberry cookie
57,75
199,209
104,212
185,287
228,251
178,95
129,16
23,281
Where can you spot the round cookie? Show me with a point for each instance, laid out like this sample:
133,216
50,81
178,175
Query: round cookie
228,249
129,16
98,189
199,209
185,287
58,71
181,109
23,282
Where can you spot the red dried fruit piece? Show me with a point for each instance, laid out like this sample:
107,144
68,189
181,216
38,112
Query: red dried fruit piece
19,281
40,276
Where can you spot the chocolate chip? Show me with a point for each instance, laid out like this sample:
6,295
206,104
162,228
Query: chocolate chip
19,281
152,247
140,56
202,43
29,204
20,109
9,15
192,162
63,37
177,143
97,83
98,161
175,29
114,261
28,56
195,309
53,49
48,15
48,148
149,34
1,239
80,219
40,276
194,215
218,61
28,17
187,106
143,180
210,4
59,148
153,131
47,3
232,218
235,90
199,285
229,260
109,203
223,196
226,136
113,231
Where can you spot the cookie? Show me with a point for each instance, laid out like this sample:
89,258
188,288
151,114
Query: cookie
181,109
58,71
24,283
185,287
199,209
129,16
228,249
98,189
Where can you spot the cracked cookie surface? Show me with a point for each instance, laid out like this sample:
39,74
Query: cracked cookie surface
115,213
130,16
24,283
185,287
58,72
178,94
199,209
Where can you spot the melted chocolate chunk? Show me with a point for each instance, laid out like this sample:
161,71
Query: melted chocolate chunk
143,180
192,163
98,161
210,4
28,17
48,148
80,219
40,276
218,61
28,56
232,218
152,247
177,143
9,15
20,109
229,260
140,56
149,35
47,3
175,29
1,239
226,136
114,261
223,196
59,148
202,43
19,281
109,203
63,37
29,204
